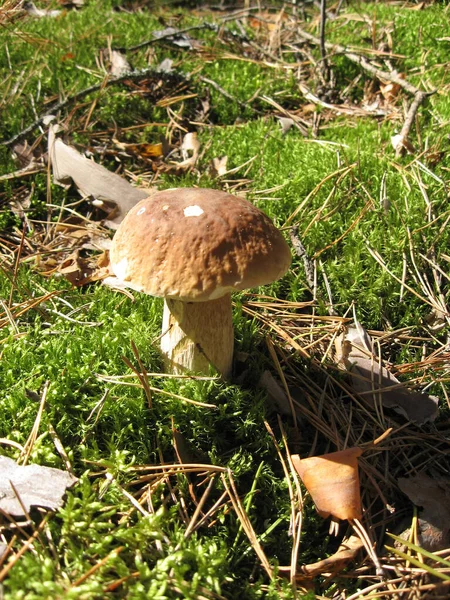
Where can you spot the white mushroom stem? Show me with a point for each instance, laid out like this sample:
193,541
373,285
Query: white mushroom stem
197,335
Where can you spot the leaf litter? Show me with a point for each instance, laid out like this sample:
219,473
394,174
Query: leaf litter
329,344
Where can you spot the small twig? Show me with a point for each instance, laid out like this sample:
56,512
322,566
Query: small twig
226,94
167,36
300,251
323,52
392,76
419,98
132,76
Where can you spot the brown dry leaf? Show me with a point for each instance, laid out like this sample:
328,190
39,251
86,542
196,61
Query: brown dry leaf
81,271
143,150
433,495
33,484
390,90
333,482
354,352
93,180
190,150
265,20
338,561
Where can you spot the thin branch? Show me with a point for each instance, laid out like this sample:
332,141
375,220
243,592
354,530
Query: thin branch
323,52
226,94
167,36
365,64
132,75
402,138
392,76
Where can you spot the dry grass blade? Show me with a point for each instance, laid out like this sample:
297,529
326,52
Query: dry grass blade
340,173
153,389
228,482
97,566
295,497
24,548
28,447
399,449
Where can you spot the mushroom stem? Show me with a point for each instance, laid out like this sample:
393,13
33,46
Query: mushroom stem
198,335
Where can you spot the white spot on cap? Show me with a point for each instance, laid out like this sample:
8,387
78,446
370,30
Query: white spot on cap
120,269
141,211
193,211
165,207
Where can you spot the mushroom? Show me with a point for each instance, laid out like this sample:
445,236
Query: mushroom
193,247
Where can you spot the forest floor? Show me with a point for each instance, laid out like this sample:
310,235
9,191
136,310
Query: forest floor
339,130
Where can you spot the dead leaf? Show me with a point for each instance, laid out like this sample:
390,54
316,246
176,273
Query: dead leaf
433,495
275,393
165,66
390,90
71,3
333,482
172,35
190,146
119,64
285,123
143,150
189,150
354,352
35,486
218,166
93,180
265,20
400,143
338,561
81,271
38,13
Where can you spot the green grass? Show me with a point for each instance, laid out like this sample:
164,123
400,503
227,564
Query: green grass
48,57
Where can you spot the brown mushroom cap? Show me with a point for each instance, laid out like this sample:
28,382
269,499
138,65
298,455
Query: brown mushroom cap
197,245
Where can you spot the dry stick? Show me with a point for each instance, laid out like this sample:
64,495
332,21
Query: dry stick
227,95
392,76
419,97
132,75
167,36
323,52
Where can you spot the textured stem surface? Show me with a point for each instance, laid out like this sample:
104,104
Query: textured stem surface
197,335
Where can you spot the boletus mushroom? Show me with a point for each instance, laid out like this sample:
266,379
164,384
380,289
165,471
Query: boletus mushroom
193,247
